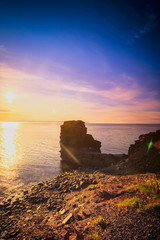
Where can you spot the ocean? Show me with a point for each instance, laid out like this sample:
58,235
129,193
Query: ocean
29,152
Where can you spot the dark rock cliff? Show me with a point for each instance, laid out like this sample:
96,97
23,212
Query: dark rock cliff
80,149
144,155
74,135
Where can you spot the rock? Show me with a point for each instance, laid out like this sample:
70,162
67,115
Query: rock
142,158
74,135
67,219
1,206
82,183
51,205
13,234
57,185
25,192
75,205
74,139
80,149
104,194
66,236
38,199
79,217
63,211
86,213
40,184
77,187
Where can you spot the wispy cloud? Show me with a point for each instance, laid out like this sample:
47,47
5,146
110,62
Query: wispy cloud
119,102
12,77
120,93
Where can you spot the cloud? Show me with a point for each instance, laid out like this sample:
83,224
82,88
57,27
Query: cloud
5,111
57,84
11,77
44,93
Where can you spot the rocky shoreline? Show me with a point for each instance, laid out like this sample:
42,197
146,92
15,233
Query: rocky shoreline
110,201
84,204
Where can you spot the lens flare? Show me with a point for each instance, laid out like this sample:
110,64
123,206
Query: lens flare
149,145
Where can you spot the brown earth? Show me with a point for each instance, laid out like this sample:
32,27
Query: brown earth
83,205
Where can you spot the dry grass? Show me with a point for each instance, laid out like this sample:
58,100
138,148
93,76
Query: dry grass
132,202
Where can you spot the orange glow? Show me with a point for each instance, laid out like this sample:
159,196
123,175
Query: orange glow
116,105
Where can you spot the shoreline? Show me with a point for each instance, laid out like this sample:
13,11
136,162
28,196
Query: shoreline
70,203
111,200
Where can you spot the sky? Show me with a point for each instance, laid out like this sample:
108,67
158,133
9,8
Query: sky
94,60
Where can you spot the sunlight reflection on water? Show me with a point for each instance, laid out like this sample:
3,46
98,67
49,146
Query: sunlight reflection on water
8,144
9,155
29,152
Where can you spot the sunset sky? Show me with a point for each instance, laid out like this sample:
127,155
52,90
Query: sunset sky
94,60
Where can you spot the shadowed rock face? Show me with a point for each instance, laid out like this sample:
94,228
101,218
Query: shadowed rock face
80,149
74,135
74,141
143,158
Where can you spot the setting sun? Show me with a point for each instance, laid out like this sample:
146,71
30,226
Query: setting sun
10,96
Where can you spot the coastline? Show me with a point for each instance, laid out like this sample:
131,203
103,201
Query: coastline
69,206
112,201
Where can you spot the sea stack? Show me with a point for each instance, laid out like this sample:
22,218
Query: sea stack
75,141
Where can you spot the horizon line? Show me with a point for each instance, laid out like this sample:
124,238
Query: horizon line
87,122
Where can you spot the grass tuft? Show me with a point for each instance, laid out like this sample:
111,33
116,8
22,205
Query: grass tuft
132,202
91,187
100,220
152,207
94,236
151,187
132,188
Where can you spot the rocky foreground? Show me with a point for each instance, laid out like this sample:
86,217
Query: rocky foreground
85,205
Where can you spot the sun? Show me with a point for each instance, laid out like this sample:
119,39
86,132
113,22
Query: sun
10,96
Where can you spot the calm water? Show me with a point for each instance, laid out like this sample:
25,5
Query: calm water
29,152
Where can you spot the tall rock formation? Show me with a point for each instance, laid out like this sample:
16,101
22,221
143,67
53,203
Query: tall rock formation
80,149
74,141
74,135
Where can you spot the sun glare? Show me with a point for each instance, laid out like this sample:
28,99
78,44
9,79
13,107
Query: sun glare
10,96
8,143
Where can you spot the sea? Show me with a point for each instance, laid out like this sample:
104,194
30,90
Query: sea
30,151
